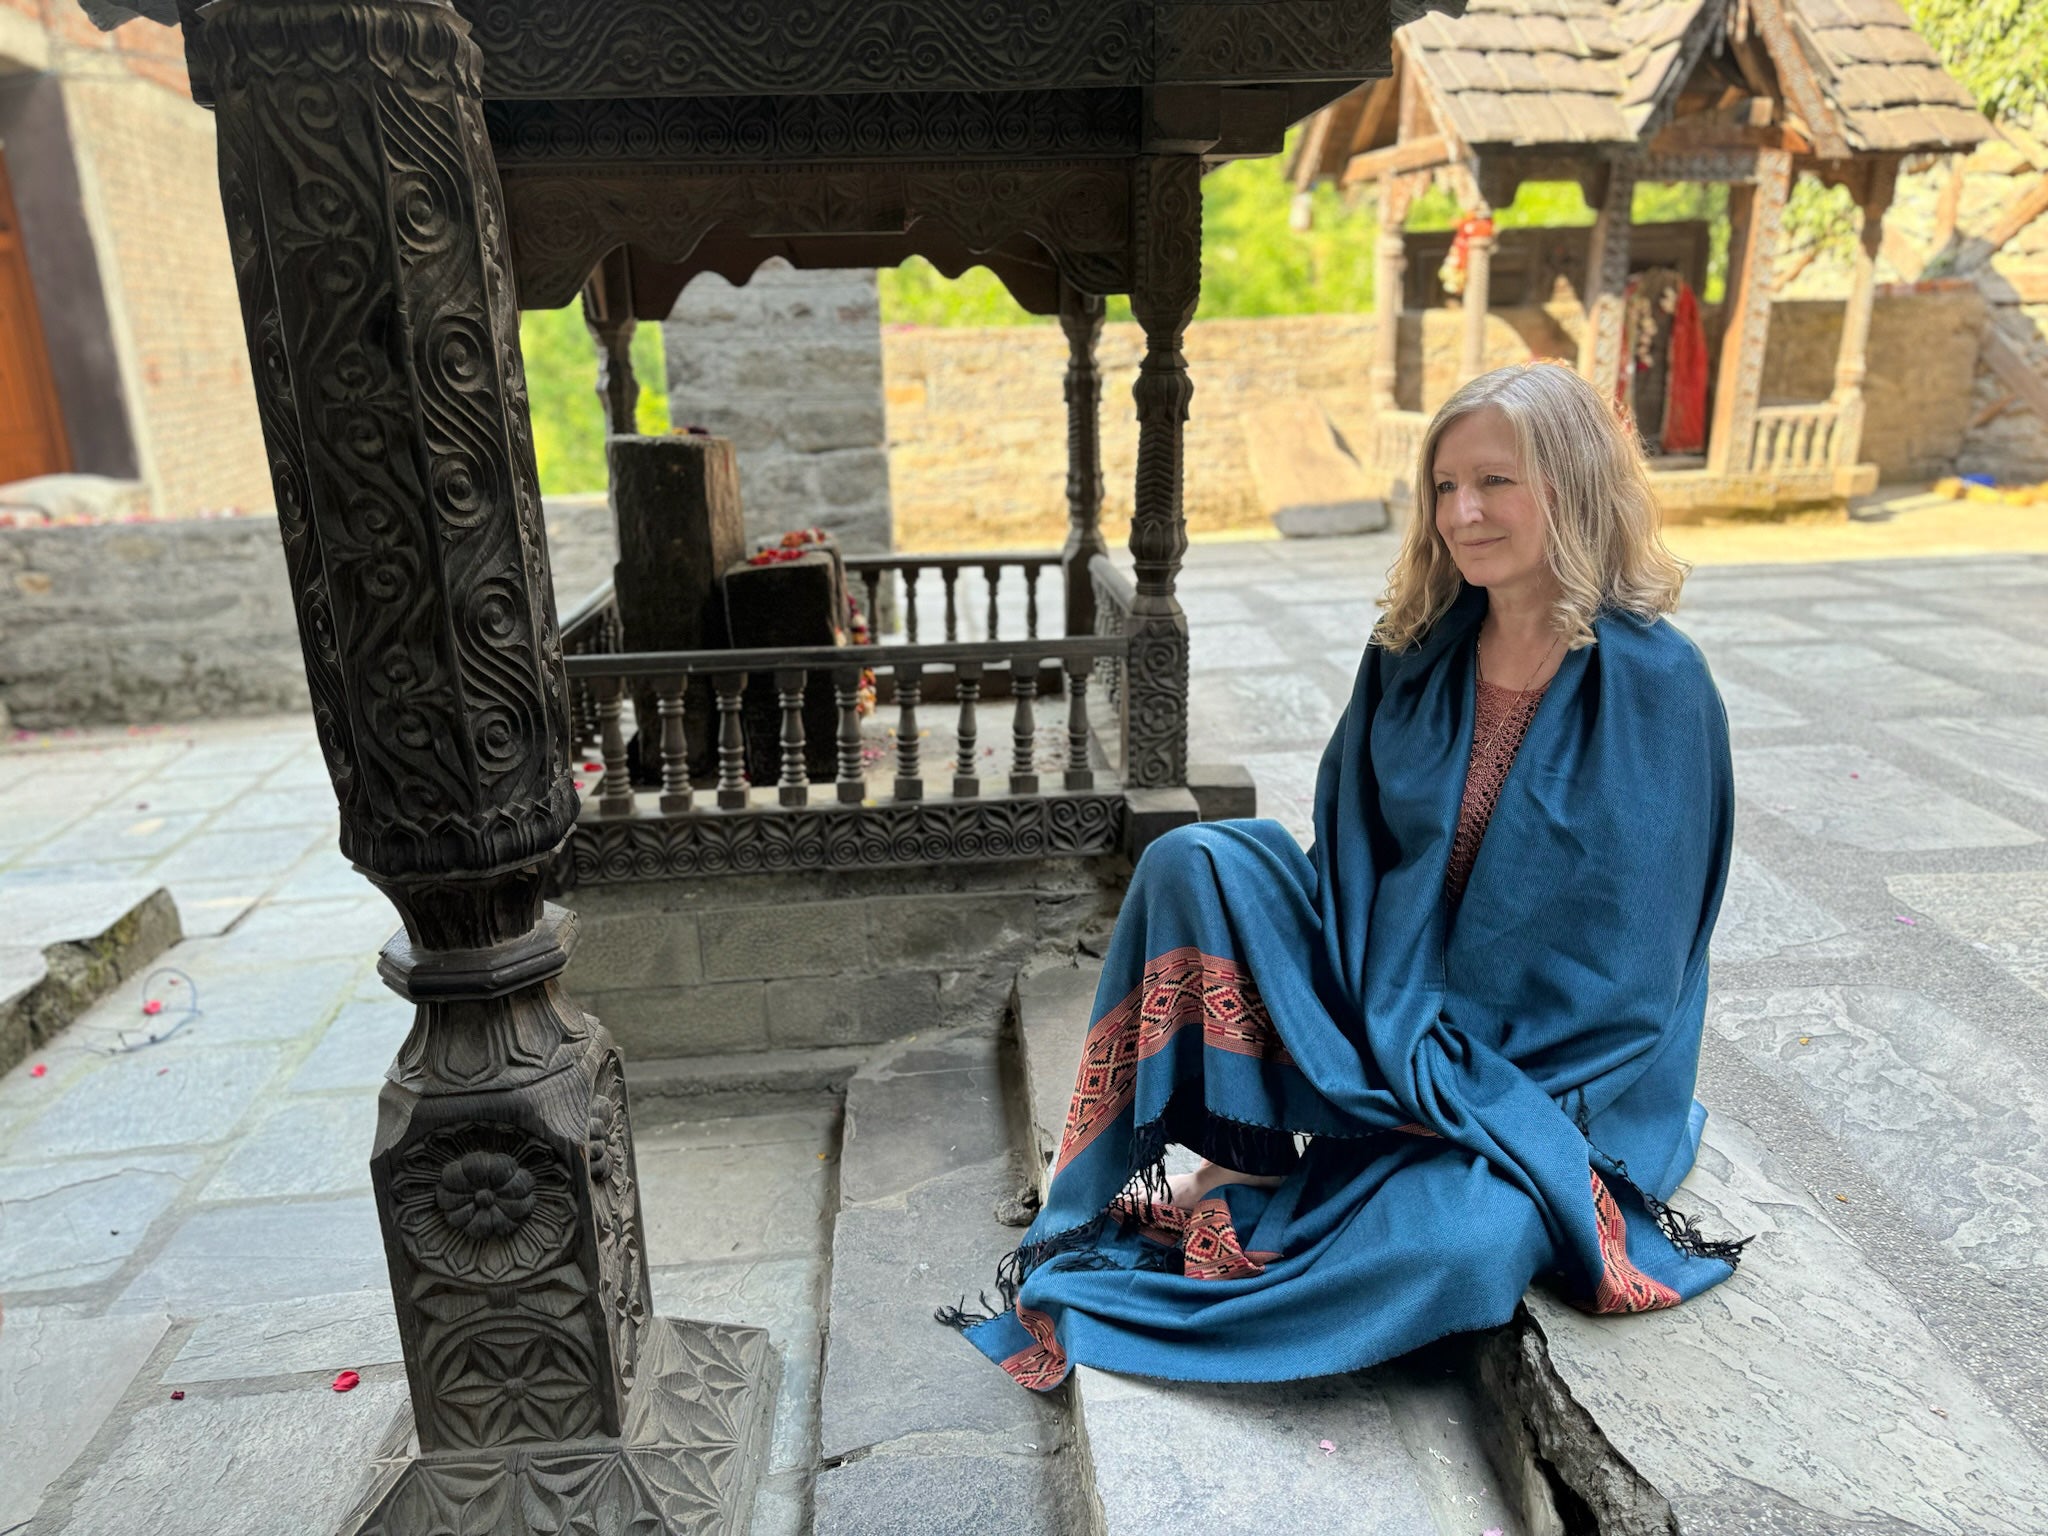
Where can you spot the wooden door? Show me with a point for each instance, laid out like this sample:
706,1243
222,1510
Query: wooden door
32,440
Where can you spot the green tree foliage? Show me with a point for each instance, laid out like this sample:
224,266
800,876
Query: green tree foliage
561,387
1997,48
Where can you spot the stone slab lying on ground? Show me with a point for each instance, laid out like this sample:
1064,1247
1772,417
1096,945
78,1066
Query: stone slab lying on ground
914,1424
1304,476
66,943
59,1378
1804,1395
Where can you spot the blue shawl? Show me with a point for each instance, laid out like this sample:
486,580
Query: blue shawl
1491,1091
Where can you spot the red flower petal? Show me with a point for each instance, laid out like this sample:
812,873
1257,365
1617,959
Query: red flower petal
346,1381
39,1070
152,1008
178,1397
593,767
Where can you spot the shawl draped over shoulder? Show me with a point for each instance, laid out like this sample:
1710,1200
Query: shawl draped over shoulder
1490,1091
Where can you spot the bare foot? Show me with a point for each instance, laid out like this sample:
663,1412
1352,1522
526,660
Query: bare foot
1187,1190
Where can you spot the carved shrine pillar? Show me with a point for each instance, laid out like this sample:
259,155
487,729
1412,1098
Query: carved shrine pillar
1166,285
367,231
1389,282
1756,212
608,315
1477,298
1600,345
1851,361
1081,318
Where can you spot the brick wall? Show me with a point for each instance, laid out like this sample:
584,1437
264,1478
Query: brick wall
145,166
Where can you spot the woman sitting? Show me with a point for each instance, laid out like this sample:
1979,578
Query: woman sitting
1479,997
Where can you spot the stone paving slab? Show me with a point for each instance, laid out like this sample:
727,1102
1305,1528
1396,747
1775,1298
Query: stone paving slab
349,1331
2005,914
1177,1456
1805,1395
317,1146
287,1460
158,1097
273,1251
1842,793
1881,1064
357,1047
66,1225
59,1377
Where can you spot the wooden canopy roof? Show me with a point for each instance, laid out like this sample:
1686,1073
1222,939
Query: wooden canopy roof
1841,77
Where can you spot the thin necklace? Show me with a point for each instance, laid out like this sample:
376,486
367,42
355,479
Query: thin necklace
1479,651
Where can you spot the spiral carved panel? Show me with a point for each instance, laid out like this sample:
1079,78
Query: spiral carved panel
369,245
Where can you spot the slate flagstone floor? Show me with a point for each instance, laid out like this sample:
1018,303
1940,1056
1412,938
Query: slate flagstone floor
194,1215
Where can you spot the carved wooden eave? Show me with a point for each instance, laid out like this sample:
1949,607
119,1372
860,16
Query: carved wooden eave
708,137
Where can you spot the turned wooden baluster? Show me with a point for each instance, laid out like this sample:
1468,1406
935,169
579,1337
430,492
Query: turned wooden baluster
872,580
1030,602
615,796
966,782
909,780
846,692
1024,730
732,741
910,603
993,574
676,795
795,788
951,576
1079,774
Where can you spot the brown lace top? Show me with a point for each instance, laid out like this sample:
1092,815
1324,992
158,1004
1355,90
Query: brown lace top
1503,719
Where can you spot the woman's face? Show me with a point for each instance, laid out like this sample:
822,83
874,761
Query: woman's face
1486,513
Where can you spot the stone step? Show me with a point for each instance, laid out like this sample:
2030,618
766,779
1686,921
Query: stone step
64,944
918,1434
1404,1454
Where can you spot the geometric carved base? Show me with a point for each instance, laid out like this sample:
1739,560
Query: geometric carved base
697,1431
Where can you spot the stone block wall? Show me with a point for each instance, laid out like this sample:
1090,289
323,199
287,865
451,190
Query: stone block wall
792,962
129,623
1923,365
789,366
978,425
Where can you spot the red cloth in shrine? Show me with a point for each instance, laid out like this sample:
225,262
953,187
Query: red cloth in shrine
1685,410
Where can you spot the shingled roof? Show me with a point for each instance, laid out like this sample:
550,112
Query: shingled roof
1881,79
1528,73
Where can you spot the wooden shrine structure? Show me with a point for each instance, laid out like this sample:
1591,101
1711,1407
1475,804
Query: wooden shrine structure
1610,93
399,177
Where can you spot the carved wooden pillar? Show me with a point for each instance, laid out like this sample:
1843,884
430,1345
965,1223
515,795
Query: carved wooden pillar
1852,359
1747,332
1081,318
1478,298
608,315
1600,346
367,232
1166,285
1389,281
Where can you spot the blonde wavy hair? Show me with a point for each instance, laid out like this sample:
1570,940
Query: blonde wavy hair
1587,472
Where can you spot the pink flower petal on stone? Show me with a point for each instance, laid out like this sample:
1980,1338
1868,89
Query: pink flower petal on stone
346,1381
1327,1447
39,1070
152,1008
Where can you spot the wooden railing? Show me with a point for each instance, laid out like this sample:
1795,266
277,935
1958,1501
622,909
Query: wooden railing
943,586
882,805
1795,439
591,628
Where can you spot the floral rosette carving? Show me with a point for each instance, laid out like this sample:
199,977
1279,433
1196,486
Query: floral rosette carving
484,1203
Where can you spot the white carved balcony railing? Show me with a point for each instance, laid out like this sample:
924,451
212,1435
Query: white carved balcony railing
1796,439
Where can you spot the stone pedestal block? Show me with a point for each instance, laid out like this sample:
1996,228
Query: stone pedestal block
677,504
785,603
